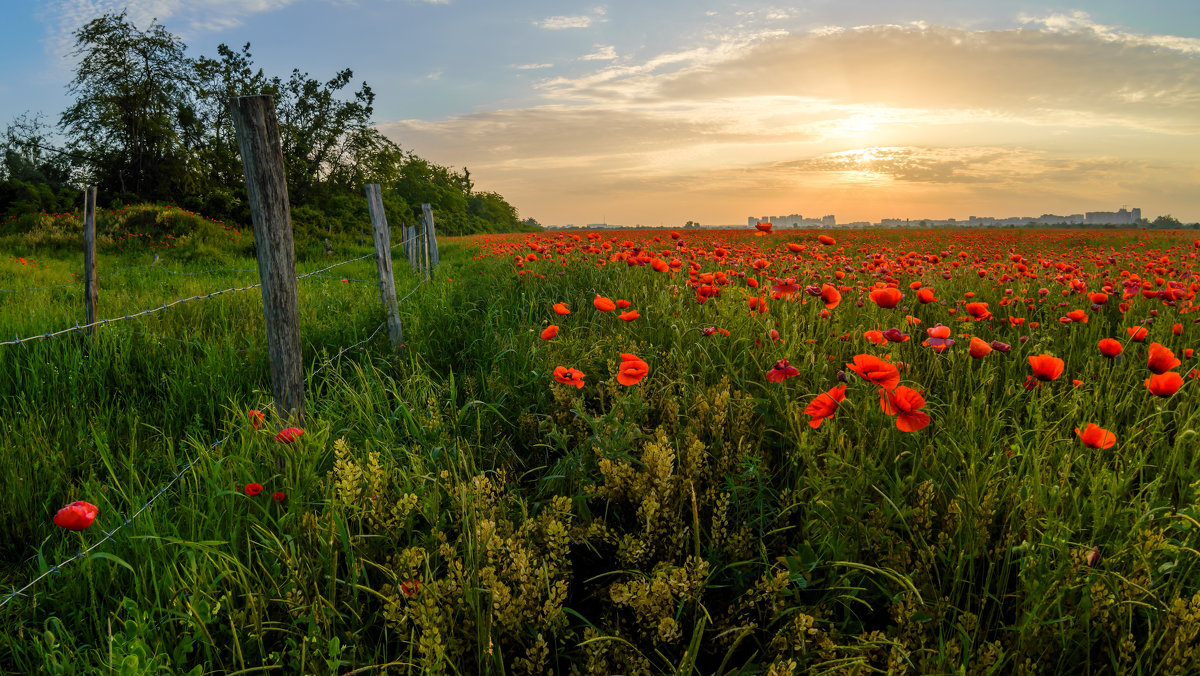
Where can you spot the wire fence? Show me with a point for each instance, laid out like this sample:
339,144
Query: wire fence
142,313
106,536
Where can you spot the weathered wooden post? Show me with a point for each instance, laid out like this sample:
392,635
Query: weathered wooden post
383,264
431,233
429,240
90,293
258,141
410,246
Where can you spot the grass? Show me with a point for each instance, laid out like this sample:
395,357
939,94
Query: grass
455,510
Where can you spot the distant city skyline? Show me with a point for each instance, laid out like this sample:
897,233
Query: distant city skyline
1122,216
703,110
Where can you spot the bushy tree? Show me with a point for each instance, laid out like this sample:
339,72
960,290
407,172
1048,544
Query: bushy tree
131,88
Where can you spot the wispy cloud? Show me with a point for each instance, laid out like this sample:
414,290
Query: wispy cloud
1078,21
555,23
532,66
602,53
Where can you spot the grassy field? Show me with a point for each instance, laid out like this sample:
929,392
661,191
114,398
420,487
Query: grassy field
460,509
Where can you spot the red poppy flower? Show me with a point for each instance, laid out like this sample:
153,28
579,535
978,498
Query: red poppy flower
410,587
253,489
568,376
978,310
830,296
781,371
1164,384
632,370
1177,329
549,332
904,403
826,240
886,298
1094,436
875,370
76,516
279,497
926,296
288,435
561,309
1110,347
825,405
623,304
1046,367
604,304
1137,333
1162,359
256,417
875,337
628,316
979,348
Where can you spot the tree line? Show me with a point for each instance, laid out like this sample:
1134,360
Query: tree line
149,123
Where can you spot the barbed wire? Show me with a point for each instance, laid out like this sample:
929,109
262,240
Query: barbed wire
347,279
102,322
203,296
344,350
108,535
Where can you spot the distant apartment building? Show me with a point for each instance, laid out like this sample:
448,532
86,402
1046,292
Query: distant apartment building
1120,217
794,221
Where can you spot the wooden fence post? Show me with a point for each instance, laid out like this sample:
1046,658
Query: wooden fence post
383,264
410,246
90,293
258,141
430,241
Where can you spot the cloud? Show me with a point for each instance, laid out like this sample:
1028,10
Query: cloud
1017,72
1077,22
961,165
602,53
554,23
63,17
917,116
532,66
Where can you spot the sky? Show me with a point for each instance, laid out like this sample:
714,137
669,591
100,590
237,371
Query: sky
656,113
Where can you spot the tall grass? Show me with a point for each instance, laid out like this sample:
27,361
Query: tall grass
455,510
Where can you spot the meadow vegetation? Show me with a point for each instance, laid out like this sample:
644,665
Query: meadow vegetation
458,509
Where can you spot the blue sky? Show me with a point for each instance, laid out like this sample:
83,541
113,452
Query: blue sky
665,111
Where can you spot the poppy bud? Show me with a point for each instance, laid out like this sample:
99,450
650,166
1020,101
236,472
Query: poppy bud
841,376
1003,348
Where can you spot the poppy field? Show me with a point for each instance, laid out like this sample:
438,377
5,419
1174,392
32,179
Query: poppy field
619,452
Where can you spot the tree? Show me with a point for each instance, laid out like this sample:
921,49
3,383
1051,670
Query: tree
131,86
327,141
1168,222
208,134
